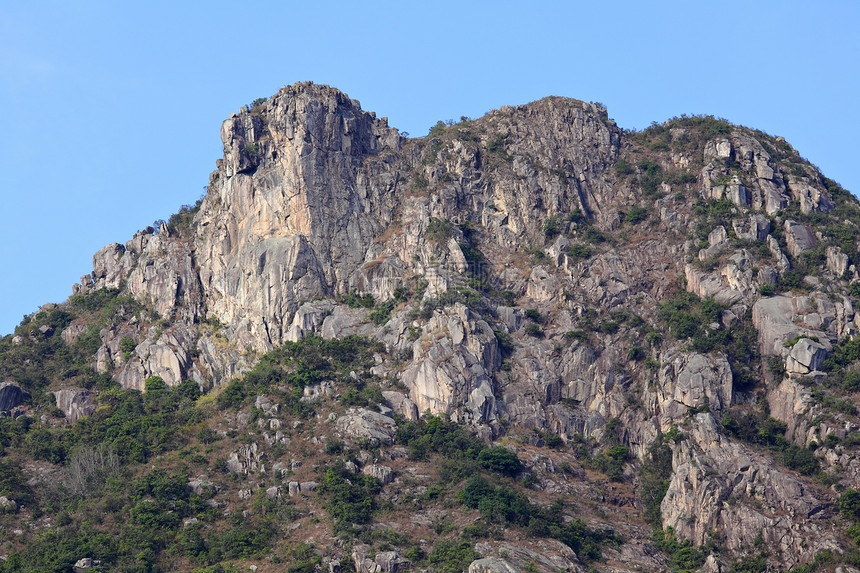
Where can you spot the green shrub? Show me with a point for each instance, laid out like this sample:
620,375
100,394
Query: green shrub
452,556
579,251
438,129
655,473
534,330
608,327
849,504
127,346
636,215
439,230
636,353
623,168
683,557
500,459
350,497
552,227
533,314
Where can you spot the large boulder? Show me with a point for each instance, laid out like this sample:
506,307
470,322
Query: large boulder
11,395
492,565
364,423
75,403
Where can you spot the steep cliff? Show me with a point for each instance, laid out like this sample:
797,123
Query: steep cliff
545,278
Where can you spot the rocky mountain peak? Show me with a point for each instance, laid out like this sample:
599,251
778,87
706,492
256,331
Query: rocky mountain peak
540,275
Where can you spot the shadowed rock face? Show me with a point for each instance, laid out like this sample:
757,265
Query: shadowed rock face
516,240
11,395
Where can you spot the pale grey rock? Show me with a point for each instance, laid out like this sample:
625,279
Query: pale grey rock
384,474
767,275
781,318
308,319
837,261
452,374
202,486
346,322
401,404
268,407
7,505
75,403
381,276
542,285
85,563
492,565
805,357
737,193
71,333
756,227
546,555
383,562
798,238
713,565
391,562
512,317
782,262
690,380
308,486
810,198
710,285
709,469
247,459
717,241
363,423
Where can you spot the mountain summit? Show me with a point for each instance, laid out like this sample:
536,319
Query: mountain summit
528,341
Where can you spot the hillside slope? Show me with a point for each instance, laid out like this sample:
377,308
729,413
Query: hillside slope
629,352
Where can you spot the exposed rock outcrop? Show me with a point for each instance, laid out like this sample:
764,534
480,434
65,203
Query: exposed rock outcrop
513,268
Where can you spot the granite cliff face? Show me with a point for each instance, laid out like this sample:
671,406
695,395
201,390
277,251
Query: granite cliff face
530,270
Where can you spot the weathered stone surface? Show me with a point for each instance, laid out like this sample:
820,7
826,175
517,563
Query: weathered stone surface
401,404
492,565
75,403
382,562
710,469
247,459
202,486
315,198
717,241
798,238
71,333
806,356
756,227
383,473
85,563
837,261
11,395
363,423
779,319
545,555
453,371
7,505
782,261
689,380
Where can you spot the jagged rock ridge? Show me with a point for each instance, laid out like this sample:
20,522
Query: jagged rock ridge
517,271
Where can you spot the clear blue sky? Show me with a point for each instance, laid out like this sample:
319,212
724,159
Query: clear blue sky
111,110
